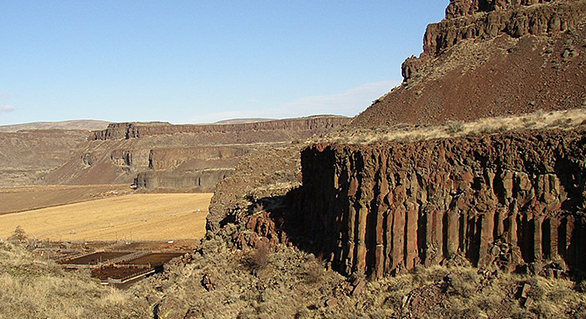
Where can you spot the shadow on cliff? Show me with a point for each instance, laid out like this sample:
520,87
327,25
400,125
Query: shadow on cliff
272,220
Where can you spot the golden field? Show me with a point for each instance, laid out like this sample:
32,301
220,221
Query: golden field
129,217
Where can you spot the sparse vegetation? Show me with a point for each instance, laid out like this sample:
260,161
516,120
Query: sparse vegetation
566,120
454,127
291,286
37,288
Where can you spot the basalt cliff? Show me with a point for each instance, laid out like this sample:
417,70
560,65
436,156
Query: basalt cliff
507,200
512,200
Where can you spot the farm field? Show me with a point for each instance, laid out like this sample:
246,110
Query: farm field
132,217
24,198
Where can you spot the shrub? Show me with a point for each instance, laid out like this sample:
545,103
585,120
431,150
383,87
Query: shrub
258,258
454,127
18,235
313,271
462,284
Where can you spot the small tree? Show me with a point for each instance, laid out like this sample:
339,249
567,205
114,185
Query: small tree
18,235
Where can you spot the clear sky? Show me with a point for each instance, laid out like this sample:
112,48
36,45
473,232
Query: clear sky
202,61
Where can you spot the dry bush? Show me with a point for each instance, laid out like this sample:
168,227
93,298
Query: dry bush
19,235
313,271
567,119
258,258
462,284
454,127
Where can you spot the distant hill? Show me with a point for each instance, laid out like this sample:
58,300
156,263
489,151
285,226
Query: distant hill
491,58
242,121
88,125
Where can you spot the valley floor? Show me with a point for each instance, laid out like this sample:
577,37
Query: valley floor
129,217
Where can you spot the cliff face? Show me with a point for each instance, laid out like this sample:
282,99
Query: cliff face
159,154
491,58
196,157
506,201
203,180
243,132
467,20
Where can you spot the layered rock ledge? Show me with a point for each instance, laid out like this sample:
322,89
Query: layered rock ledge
482,19
311,125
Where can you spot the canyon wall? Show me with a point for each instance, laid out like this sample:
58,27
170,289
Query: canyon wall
203,180
198,157
158,154
310,125
25,156
509,200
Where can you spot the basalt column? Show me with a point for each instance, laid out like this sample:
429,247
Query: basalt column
504,200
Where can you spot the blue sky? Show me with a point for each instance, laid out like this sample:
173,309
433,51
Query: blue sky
202,61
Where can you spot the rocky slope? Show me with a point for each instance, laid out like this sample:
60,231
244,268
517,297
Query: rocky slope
506,201
27,155
491,58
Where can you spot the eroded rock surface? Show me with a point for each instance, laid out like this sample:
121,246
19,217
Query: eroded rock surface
507,200
228,133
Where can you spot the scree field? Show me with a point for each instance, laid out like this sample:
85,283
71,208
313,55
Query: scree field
130,217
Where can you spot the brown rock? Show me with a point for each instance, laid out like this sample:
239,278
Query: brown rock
492,224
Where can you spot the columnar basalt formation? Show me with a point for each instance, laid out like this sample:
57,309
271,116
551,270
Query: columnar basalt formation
200,157
202,180
507,200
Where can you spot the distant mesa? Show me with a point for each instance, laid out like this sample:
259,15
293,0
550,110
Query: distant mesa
244,131
243,121
158,155
85,125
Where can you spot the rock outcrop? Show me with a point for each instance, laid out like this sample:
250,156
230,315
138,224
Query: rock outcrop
491,58
243,133
466,20
509,200
197,157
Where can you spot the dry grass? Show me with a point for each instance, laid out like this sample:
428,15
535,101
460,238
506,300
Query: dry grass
568,119
130,217
37,288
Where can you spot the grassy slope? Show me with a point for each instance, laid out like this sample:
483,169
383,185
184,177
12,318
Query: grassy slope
37,288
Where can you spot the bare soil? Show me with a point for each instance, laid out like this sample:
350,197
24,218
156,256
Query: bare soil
23,198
